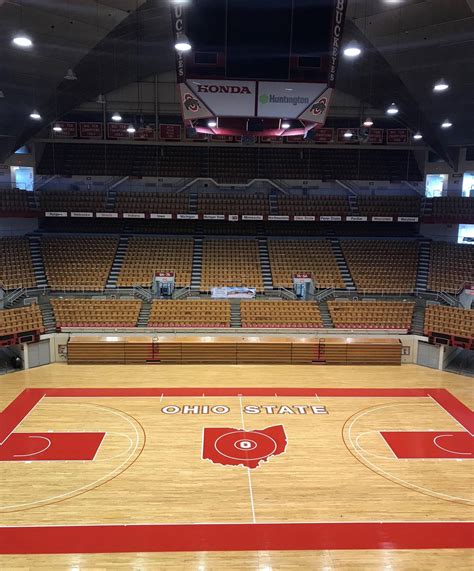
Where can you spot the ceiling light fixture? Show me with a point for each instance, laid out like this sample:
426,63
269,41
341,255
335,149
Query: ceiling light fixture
131,128
352,50
212,123
70,75
392,110
285,124
348,134
35,115
417,136
182,43
446,124
368,122
100,99
116,116
2,95
57,128
440,85
22,41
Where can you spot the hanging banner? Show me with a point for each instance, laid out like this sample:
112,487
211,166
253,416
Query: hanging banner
187,216
323,135
397,136
56,214
407,219
376,136
106,215
155,216
223,138
69,130
90,130
233,292
170,132
214,217
330,218
304,218
145,132
82,215
296,139
280,218
222,97
271,139
382,218
133,215
117,131
288,100
356,218
252,217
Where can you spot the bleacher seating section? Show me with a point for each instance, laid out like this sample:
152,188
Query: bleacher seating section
449,321
72,200
382,266
295,314
371,314
223,203
316,256
137,201
229,164
13,200
145,255
77,312
313,205
20,320
389,205
200,313
451,266
231,263
452,207
77,263
16,269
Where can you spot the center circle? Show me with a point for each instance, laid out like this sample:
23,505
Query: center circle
245,445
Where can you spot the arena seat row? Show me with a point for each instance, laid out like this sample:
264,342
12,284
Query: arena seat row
295,314
78,262
145,255
77,312
450,321
316,256
313,205
451,266
371,314
72,200
222,203
389,205
20,320
14,200
452,207
382,266
200,313
229,263
138,201
16,268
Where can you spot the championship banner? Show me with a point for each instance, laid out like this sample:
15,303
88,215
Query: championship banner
90,130
145,133
117,131
69,130
297,139
376,136
271,139
170,132
288,100
223,138
397,136
323,135
233,292
224,98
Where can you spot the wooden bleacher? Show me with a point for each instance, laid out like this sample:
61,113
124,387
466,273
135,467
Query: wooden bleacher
87,312
371,314
451,325
20,324
199,313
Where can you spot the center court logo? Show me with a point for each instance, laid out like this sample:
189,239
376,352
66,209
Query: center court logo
286,99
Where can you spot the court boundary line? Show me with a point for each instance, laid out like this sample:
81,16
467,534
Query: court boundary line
236,536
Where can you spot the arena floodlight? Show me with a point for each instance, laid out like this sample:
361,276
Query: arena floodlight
182,43
417,136
35,115
368,122
116,116
440,86
131,128
212,123
70,75
22,41
446,124
392,110
352,50
57,128
285,124
348,134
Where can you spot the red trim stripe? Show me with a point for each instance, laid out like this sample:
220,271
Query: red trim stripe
235,537
16,411
452,405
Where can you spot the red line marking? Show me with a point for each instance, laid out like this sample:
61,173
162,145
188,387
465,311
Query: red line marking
453,445
235,537
17,410
452,405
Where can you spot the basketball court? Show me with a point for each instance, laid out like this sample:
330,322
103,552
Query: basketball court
273,466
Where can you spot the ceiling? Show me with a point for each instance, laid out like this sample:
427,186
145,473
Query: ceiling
408,45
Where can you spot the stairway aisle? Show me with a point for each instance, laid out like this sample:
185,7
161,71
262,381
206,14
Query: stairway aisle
37,260
265,265
423,268
325,315
144,315
47,312
197,265
117,263
235,319
342,264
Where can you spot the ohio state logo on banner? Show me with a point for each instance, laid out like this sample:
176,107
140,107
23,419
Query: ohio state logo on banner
237,447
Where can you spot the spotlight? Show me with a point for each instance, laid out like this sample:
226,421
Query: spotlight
392,110
446,124
368,122
417,136
352,50
57,128
212,123
116,116
22,41
131,128
35,115
440,85
70,75
285,124
182,43
348,134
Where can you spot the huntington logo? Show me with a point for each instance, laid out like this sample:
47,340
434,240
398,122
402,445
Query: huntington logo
285,99
263,99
